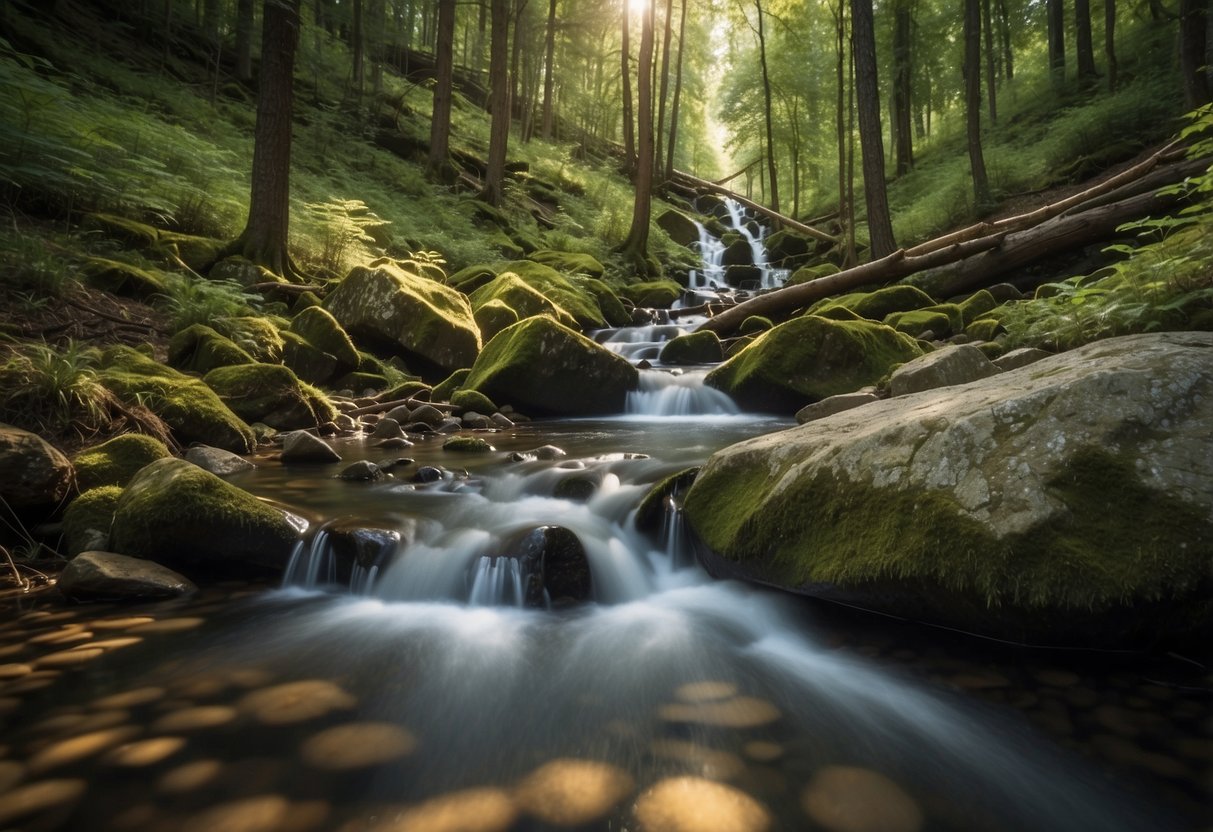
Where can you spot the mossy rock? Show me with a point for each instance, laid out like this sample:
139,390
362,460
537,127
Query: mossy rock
269,393
921,321
505,246
808,359
200,349
693,348
560,290
608,302
199,253
735,346
755,324
494,315
122,279
446,389
193,411
784,246
243,271
651,512
878,305
569,262
679,227
976,305
409,389
653,294
470,279
473,400
542,367
838,313
467,445
509,289
87,520
131,233
188,519
115,461
360,381
307,362
806,273
428,324
258,337
992,349
320,329
985,329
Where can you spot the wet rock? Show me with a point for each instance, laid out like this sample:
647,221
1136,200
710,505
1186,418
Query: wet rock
679,226
693,348
418,427
427,474
651,512
105,576
219,462
387,428
429,415
502,421
577,489
476,421
943,368
33,473
467,445
353,542
117,460
87,520
402,414
302,447
549,452
362,471
554,560
1021,357
399,442
450,425
834,404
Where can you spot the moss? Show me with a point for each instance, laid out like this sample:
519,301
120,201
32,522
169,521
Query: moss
114,462
305,300
358,382
122,278
878,305
693,348
200,349
472,400
985,329
467,445
199,253
193,411
651,512
243,271
320,329
408,389
471,278
492,316
91,512
736,345
256,336
608,302
653,294
807,273
444,390
569,262
268,393
319,403
560,290
992,349
509,289
838,313
502,243
976,305
130,233
920,321
307,362
808,359
755,324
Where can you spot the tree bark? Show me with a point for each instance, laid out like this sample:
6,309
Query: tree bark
1083,46
972,72
1193,36
1004,26
987,33
635,247
439,167
625,60
1109,41
682,33
244,40
549,75
1057,40
903,139
357,48
664,75
772,164
867,89
499,102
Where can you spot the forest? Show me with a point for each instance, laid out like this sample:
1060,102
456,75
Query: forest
651,415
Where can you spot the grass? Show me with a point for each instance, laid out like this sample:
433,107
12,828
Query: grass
51,389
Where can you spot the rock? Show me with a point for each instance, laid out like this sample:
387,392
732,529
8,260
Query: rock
418,427
476,421
878,305
545,367
33,473
1021,357
941,320
738,253
754,325
319,329
531,288
569,262
524,301
679,226
651,512
806,273
429,415
500,420
957,364
552,559
450,425
425,321
402,415
808,359
193,411
258,336
106,576
200,349
427,474
353,543
122,279
494,315
361,471
984,329
467,445
742,276
787,247
87,520
693,348
976,305
472,400
310,364
346,423
219,462
577,489
1067,501
302,447
654,294
387,428
272,394
1004,293
175,513
115,461
834,404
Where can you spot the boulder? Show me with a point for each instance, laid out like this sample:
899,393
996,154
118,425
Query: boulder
106,576
122,279
308,363
738,253
193,411
651,513
541,366
494,315
271,394
563,292
33,473
956,364
117,460
87,520
834,404
976,305
693,348
352,544
467,445
552,560
302,447
569,262
806,273
420,319
525,302
808,359
175,513
608,302
321,331
257,336
653,294
1069,500
361,471
786,247
471,400
219,462
681,228
878,305
200,349
1021,357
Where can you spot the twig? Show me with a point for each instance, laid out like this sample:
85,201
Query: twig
384,406
21,582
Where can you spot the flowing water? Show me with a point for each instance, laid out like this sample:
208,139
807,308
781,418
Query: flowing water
711,274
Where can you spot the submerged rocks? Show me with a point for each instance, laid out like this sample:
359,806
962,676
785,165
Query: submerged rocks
33,473
553,561
302,447
219,462
105,576
1070,500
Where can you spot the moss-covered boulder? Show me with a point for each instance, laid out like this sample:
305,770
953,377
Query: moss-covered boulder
120,278
473,400
540,366
193,411
494,315
87,520
808,359
200,349
976,305
754,325
985,329
653,294
788,247
569,262
681,228
511,291
130,233
921,322
445,389
271,394
562,291
320,329
693,348
188,519
33,472
115,461
608,302
259,337
308,363
878,305
1049,503
806,273
837,313
199,253
425,322
471,278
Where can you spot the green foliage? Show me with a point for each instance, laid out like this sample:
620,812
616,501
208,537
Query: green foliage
343,232
190,301
28,264
50,389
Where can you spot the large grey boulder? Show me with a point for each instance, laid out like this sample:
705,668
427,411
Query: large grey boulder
106,576
219,462
33,473
1070,500
958,364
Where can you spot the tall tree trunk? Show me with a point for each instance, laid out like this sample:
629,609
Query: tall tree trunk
635,247
265,236
1004,27
516,96
481,27
375,28
549,74
1109,41
682,33
867,93
625,59
244,39
211,14
438,166
356,48
665,79
972,72
903,140
1193,36
1083,45
843,115
772,167
1057,40
987,33
499,102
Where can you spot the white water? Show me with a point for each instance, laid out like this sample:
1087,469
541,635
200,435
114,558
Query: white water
679,395
711,252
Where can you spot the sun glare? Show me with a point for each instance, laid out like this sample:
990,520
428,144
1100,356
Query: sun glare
636,7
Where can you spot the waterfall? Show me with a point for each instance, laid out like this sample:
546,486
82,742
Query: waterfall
678,394
496,582
711,251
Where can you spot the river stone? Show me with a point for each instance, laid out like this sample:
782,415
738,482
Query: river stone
106,576
475,421
361,471
834,404
1067,501
1021,357
387,428
545,367
957,364
502,421
679,226
175,513
219,462
693,348
301,446
423,320
33,473
428,414
552,560
402,414
271,394
353,543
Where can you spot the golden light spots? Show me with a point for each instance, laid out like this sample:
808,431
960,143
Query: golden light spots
572,792
358,745
145,752
691,804
471,810
705,691
130,698
739,712
194,719
296,702
37,797
762,751
14,671
111,643
168,625
78,748
264,813
190,776
121,623
705,762
69,658
851,799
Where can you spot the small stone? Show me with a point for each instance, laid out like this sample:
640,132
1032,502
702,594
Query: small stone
328,429
362,471
943,368
394,443
549,452
402,414
401,462
300,446
296,702
450,425
427,474
476,421
428,414
387,429
194,719
145,752
97,576
467,445
346,422
218,461
834,404
418,427
39,797
502,421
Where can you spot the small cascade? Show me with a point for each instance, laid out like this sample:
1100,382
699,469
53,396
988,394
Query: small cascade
639,343
496,582
312,564
711,251
678,394
675,537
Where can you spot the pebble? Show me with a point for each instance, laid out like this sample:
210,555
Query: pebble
262,813
130,698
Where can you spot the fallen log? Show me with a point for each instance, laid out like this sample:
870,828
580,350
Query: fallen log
786,222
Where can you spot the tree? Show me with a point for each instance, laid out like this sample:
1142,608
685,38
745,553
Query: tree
356,48
1109,41
682,36
987,24
244,40
499,102
1057,40
549,59
1192,39
772,169
265,235
665,79
972,73
867,93
903,141
1083,47
625,61
439,166
635,247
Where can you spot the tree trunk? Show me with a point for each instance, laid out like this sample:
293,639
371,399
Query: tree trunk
1192,40
265,236
664,74
244,40
987,32
972,72
549,75
682,32
625,60
867,91
1083,46
1109,41
499,102
772,167
356,48
375,29
439,167
903,139
1057,40
635,247
1004,26
211,20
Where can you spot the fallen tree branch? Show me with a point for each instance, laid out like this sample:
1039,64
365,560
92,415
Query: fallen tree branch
382,407
787,222
271,286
